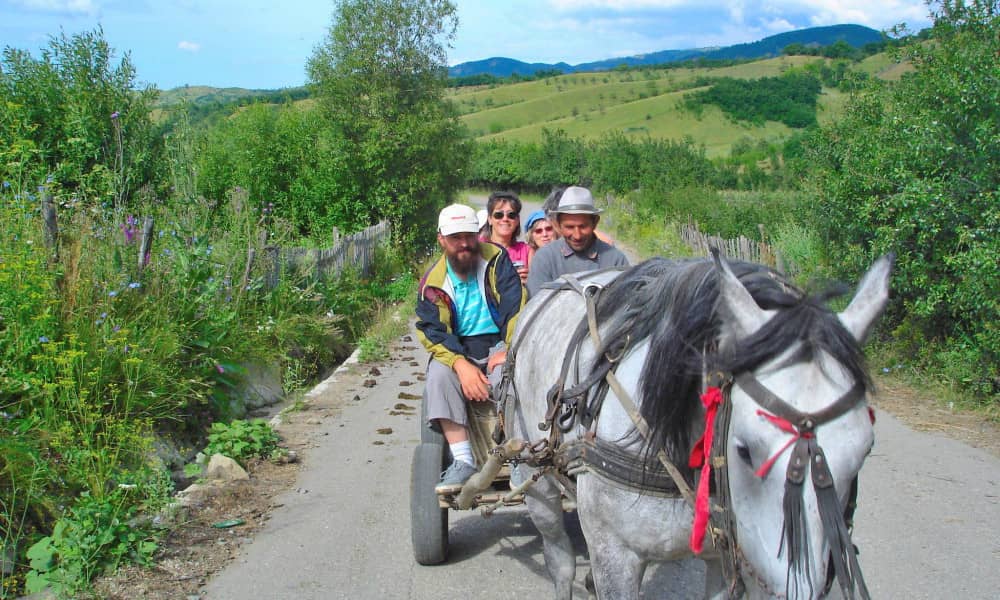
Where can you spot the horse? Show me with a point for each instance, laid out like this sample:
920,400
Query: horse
789,384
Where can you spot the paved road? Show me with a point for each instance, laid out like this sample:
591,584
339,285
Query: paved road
927,524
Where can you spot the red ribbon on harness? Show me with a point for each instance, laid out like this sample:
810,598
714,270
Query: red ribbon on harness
786,426
701,457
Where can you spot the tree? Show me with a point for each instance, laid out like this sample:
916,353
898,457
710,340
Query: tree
75,118
915,168
380,77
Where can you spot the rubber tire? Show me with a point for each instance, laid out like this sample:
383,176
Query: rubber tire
429,434
428,521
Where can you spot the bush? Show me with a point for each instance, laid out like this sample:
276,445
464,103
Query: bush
915,169
242,440
74,116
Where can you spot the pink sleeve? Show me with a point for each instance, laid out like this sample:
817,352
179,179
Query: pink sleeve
519,252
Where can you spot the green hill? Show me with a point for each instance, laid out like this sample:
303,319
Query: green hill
638,102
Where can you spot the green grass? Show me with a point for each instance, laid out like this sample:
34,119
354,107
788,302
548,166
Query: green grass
638,103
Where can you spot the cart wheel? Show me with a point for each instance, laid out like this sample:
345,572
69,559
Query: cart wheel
428,521
428,434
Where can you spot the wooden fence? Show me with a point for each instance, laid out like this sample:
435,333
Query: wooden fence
741,248
355,251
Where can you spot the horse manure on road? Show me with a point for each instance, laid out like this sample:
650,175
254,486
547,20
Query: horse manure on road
401,406
405,396
405,383
369,383
374,371
384,430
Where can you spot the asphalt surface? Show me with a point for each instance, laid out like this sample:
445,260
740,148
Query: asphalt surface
927,524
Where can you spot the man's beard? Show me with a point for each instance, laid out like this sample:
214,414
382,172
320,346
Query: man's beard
464,262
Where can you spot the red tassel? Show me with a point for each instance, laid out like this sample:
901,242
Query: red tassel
701,457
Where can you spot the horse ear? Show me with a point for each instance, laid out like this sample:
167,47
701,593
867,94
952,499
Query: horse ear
869,301
737,301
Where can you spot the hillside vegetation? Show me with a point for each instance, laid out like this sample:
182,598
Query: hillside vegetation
636,102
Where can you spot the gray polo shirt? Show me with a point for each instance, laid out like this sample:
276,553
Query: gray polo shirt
557,258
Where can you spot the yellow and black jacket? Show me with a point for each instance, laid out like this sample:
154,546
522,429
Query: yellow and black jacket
436,319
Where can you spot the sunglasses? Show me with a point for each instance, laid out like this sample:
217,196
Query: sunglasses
542,229
510,214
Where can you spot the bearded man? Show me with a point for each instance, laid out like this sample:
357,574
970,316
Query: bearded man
467,309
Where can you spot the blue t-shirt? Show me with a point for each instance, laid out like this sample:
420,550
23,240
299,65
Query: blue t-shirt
472,313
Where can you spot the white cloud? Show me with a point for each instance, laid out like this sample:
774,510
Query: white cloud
75,7
188,46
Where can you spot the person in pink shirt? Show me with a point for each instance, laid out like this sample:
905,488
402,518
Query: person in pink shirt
504,213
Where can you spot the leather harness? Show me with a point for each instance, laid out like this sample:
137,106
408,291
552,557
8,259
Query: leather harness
581,404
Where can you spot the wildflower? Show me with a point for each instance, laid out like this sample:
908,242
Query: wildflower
112,294
219,368
885,369
114,116
104,315
6,185
116,328
129,228
134,285
43,339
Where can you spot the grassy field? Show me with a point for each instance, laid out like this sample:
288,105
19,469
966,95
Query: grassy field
638,103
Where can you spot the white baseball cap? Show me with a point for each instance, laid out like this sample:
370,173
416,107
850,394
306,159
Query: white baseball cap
457,218
482,216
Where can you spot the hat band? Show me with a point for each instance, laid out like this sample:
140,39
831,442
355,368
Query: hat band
582,207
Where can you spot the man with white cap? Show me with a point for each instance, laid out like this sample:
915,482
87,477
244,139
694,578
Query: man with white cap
467,308
579,248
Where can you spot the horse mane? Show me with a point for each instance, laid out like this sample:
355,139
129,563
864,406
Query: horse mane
676,305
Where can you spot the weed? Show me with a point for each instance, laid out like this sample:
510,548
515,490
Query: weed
242,440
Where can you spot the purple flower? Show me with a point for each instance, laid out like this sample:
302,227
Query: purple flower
219,368
6,184
114,116
43,339
134,285
112,293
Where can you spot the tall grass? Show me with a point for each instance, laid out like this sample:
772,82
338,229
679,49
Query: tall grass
101,351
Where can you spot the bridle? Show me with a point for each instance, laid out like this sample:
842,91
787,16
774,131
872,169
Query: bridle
806,453
717,517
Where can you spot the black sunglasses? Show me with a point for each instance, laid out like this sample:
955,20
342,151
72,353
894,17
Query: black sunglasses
510,214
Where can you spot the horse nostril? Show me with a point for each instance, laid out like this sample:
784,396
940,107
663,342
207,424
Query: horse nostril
744,453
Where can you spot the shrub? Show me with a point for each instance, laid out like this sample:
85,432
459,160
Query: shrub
242,440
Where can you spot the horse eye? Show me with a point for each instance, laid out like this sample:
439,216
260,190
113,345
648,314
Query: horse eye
744,453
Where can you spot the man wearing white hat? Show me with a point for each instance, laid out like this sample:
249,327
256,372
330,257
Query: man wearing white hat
467,308
579,248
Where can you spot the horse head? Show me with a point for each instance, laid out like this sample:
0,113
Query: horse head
798,433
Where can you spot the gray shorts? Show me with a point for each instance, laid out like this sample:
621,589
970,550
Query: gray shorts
443,393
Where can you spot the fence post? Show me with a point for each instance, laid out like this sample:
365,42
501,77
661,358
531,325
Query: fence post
51,225
147,242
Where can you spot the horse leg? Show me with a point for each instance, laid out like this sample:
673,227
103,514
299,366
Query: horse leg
544,502
617,570
715,582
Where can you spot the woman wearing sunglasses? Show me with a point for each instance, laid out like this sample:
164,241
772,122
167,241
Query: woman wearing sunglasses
540,230
504,210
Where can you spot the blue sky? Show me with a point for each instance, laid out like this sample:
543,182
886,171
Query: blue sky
265,44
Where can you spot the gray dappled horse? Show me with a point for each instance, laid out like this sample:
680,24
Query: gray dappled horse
796,385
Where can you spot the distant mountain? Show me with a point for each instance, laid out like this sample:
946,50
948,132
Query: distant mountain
855,35
503,67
